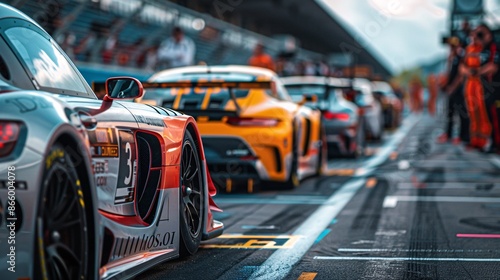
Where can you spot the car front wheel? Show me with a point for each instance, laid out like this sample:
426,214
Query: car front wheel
62,236
191,198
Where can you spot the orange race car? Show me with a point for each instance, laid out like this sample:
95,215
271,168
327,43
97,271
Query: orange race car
253,133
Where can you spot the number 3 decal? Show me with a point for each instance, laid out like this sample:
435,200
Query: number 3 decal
128,151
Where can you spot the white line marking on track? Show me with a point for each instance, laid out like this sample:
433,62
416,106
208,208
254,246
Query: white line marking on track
385,151
495,161
279,264
403,259
270,200
441,186
301,197
392,201
259,227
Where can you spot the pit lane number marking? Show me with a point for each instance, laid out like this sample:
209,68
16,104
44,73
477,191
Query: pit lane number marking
230,241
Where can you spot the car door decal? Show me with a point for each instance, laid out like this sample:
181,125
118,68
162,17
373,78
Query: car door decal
127,171
103,143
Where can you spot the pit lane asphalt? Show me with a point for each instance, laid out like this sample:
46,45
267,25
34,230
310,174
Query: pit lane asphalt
412,210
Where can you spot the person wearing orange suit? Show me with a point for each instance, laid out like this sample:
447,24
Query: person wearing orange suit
416,103
480,127
261,59
490,76
432,85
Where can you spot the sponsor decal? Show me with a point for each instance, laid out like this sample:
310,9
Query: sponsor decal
104,151
150,121
103,142
127,171
131,245
101,170
237,152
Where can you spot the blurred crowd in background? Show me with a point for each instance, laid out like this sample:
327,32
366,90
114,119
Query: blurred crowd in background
101,44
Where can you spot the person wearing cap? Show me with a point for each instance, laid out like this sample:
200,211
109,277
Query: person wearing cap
178,50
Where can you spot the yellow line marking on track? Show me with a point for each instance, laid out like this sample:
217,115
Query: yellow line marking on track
256,242
371,182
229,184
307,276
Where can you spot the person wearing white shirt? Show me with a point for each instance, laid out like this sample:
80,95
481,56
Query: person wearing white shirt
177,50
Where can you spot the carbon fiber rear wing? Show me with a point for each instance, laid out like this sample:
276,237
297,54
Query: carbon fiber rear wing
212,113
99,87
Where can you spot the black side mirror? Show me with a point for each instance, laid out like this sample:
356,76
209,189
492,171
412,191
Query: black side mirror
123,88
118,88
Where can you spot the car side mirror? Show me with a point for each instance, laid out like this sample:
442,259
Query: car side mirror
119,88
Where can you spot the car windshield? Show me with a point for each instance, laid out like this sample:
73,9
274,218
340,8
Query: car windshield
49,68
297,91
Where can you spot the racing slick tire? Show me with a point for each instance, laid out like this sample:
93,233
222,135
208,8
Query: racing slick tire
63,239
382,127
360,142
293,177
323,152
191,198
388,118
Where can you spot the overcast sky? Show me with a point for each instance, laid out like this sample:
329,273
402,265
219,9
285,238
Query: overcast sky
403,33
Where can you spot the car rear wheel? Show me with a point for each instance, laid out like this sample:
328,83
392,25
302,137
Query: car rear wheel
389,118
293,176
378,137
62,236
322,153
360,141
191,198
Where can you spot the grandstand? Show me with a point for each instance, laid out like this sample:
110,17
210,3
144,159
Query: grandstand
131,28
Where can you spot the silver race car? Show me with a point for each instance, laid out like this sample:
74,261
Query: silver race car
88,188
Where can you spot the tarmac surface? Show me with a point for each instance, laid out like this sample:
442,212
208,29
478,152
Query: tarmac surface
410,209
